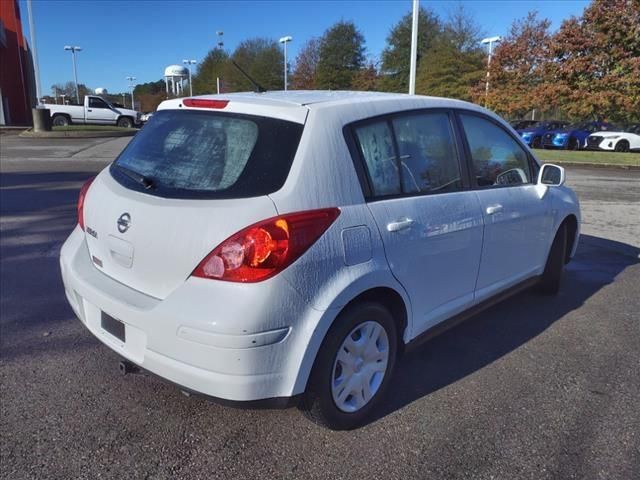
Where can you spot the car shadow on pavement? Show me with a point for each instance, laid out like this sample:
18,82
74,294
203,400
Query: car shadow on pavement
37,213
488,336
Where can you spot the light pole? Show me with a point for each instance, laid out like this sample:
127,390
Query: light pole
285,40
188,63
34,50
490,41
73,51
123,101
219,33
414,48
131,79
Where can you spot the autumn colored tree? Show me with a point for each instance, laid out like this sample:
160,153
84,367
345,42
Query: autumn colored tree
396,57
366,79
518,68
596,67
341,56
306,66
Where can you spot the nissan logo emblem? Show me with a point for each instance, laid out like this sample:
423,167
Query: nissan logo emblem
124,222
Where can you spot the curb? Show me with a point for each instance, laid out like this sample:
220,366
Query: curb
80,134
597,165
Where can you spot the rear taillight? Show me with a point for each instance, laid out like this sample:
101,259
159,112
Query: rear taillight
204,103
83,193
265,248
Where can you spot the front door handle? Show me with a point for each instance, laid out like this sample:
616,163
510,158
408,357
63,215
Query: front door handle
493,209
398,225
89,110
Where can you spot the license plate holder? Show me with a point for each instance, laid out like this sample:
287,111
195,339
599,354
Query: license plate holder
113,326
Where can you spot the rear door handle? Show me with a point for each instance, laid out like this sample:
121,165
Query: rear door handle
398,225
493,209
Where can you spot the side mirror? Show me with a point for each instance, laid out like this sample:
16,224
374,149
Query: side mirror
551,175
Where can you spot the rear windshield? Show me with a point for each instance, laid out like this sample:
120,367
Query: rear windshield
203,154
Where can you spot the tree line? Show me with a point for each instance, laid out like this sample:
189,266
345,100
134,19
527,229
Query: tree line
589,68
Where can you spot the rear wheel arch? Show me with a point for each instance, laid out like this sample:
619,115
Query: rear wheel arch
56,117
386,296
392,301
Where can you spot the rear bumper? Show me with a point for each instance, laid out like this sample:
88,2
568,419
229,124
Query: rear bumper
229,341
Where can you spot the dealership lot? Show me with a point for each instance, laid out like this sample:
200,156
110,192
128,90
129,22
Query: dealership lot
535,387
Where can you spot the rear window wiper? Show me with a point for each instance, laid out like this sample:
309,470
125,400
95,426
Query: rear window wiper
146,182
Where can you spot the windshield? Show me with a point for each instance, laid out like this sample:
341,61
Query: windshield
188,153
633,128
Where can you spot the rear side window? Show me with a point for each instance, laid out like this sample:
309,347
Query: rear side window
497,158
376,145
427,155
187,154
410,154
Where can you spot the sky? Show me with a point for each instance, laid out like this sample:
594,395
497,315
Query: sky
140,38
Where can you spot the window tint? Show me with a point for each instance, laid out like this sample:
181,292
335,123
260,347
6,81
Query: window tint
97,103
376,144
497,158
190,154
427,154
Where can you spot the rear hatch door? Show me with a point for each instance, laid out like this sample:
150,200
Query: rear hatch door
186,182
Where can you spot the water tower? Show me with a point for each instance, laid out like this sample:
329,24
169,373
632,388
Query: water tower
101,91
175,75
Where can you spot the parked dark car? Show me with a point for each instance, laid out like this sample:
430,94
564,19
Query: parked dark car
521,124
573,137
532,136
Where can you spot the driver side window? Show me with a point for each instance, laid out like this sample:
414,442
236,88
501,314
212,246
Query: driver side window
497,158
97,103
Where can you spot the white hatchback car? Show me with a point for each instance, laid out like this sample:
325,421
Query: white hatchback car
258,247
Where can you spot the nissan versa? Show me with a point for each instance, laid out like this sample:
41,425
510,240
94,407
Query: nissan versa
292,245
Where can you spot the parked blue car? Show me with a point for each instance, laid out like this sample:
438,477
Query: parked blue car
532,135
573,137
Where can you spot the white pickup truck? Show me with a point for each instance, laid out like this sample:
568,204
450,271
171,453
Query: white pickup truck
96,111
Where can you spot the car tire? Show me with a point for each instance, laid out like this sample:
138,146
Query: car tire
553,269
59,120
574,144
329,401
536,142
622,146
125,122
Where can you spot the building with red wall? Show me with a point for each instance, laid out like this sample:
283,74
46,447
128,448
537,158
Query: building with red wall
17,92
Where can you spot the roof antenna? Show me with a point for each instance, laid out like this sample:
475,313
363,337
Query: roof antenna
259,88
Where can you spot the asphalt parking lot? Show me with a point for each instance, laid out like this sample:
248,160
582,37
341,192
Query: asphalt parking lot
533,388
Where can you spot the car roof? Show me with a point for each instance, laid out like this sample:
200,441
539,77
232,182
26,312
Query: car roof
295,104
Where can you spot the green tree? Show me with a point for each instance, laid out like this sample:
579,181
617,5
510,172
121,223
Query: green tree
396,57
341,56
306,66
454,63
596,67
214,66
262,59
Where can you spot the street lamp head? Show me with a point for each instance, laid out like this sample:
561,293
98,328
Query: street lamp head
67,47
286,39
495,39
